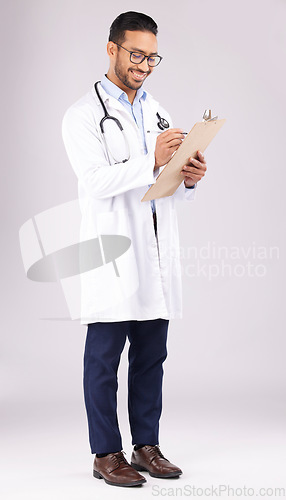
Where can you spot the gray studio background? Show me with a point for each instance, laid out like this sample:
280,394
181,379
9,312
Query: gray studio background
223,420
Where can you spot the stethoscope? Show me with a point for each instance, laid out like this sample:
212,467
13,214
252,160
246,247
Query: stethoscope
162,125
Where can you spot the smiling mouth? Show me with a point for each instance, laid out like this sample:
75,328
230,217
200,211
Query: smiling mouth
138,75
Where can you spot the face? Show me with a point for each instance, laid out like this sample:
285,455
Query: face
129,74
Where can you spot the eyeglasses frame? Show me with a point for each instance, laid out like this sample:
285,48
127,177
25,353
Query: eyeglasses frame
144,57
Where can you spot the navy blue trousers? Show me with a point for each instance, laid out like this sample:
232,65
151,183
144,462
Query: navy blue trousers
146,354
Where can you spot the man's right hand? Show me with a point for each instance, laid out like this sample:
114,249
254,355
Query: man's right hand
167,143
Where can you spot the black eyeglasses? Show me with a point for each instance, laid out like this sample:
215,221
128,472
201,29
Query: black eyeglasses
138,58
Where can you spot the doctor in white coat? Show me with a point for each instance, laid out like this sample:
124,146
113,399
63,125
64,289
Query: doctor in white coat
112,139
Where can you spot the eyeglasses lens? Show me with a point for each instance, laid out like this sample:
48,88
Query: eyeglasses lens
137,58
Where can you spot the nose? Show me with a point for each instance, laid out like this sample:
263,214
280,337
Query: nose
144,65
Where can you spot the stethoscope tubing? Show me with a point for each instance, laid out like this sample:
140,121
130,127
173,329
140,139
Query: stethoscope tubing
162,122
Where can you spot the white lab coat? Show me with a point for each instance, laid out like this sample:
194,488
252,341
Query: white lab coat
149,282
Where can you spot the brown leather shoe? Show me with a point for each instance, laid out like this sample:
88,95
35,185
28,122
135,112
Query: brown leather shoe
115,470
151,459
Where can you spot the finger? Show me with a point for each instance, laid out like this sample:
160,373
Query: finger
171,137
201,156
198,164
193,171
174,142
172,131
192,176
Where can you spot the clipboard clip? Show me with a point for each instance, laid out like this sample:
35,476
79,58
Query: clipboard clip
207,116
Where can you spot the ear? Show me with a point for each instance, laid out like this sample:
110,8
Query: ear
111,49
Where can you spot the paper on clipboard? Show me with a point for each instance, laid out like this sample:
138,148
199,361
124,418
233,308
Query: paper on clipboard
170,178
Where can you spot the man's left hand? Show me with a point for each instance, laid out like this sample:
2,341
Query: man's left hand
195,170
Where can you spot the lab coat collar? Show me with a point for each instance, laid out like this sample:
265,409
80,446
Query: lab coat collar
118,93
117,105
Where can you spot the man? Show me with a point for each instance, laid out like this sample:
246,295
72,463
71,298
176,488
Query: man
113,177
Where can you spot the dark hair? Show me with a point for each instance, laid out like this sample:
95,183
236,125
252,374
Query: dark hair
130,21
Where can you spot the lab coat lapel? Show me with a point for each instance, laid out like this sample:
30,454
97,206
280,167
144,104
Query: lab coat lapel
149,108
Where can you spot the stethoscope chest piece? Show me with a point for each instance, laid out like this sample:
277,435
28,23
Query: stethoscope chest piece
162,123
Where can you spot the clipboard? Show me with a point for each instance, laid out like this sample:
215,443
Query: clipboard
198,138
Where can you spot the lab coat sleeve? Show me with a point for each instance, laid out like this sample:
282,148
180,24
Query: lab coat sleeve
184,194
190,193
90,164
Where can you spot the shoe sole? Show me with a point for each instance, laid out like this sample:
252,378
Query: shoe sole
134,483
139,468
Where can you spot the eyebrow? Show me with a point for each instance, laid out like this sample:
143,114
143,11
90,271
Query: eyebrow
139,50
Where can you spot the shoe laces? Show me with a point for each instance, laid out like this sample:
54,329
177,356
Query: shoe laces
119,458
156,452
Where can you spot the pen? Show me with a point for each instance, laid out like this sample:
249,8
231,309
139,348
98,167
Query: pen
160,132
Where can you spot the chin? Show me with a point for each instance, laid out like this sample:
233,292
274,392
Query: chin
134,86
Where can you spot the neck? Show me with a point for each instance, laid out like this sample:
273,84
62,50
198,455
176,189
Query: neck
130,92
